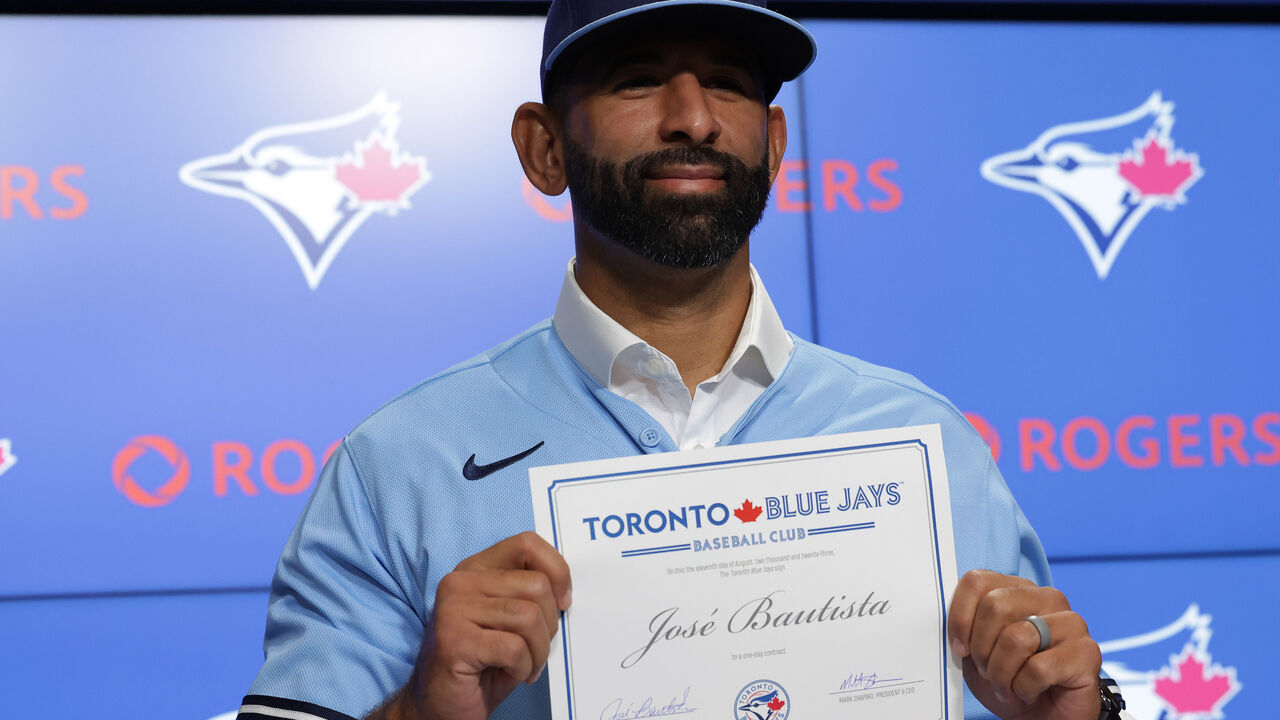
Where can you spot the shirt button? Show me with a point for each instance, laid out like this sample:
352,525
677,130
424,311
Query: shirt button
650,437
654,367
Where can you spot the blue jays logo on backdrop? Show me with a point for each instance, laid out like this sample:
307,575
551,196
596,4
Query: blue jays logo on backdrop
1103,176
7,458
317,182
1168,673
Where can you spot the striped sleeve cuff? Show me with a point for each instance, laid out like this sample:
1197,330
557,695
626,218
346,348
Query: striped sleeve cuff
265,707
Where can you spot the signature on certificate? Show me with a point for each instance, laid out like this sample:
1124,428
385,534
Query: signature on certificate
865,681
620,709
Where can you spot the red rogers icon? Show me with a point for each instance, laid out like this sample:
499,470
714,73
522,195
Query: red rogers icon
138,447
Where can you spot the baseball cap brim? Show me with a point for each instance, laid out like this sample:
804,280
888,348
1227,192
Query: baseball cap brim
783,46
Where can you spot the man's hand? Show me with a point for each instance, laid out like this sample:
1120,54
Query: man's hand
495,615
988,629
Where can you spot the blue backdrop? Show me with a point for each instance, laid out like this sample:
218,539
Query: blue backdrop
1068,229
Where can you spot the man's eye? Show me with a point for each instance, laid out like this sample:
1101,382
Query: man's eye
637,81
725,83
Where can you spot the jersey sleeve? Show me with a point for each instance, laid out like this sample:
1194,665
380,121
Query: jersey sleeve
1012,548
1030,562
341,635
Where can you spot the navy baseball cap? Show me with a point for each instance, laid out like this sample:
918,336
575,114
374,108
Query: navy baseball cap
782,45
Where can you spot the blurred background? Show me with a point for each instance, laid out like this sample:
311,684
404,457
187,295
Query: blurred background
226,238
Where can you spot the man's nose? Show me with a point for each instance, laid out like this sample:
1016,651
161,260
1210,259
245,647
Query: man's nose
688,116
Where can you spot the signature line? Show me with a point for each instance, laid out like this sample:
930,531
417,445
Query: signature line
875,687
656,550
842,528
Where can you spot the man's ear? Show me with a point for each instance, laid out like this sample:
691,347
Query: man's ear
536,131
776,125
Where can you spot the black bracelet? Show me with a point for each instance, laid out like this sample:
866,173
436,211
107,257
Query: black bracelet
1112,702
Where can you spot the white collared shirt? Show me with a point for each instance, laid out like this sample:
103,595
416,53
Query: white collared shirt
639,372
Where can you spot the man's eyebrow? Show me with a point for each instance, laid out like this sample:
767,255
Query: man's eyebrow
733,58
617,62
727,57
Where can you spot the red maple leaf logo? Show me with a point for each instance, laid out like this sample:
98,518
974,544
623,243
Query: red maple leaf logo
776,703
1193,687
1163,172
747,513
380,173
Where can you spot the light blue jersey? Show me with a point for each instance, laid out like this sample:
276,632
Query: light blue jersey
394,510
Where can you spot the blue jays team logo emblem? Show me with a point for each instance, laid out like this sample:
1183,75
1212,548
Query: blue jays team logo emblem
7,458
1103,176
317,182
1168,673
762,700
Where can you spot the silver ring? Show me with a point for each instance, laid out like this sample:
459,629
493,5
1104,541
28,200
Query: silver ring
1041,627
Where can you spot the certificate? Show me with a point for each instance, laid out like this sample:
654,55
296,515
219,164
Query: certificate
753,581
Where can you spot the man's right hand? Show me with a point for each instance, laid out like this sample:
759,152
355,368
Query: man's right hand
494,618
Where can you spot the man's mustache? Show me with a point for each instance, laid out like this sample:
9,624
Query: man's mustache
645,165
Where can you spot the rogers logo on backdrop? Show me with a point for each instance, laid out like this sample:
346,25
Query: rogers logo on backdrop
231,463
19,185
166,491
1140,441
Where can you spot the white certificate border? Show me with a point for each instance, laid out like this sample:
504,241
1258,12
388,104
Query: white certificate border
933,520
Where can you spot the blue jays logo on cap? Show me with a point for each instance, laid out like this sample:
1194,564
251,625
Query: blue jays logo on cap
783,45
1103,176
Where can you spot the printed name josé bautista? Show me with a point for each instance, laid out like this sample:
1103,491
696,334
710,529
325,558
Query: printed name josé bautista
756,614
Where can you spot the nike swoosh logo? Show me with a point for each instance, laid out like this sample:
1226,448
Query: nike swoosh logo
472,471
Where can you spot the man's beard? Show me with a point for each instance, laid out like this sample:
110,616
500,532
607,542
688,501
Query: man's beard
677,230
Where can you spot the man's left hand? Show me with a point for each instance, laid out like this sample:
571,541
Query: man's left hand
989,630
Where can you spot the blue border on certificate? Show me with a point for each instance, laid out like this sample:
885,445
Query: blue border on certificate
933,520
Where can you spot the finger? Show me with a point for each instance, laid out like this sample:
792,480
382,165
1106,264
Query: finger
527,551
1020,640
964,604
527,585
523,618
1004,606
1071,665
514,616
465,644
507,651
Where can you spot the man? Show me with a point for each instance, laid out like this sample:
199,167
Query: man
409,590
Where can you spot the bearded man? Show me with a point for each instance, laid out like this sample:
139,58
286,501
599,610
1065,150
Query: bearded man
412,587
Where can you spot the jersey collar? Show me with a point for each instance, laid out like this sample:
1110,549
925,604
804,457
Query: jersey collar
596,340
